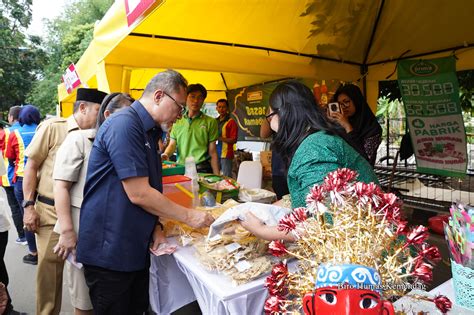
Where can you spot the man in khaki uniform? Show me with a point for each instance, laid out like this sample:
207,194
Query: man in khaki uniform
40,215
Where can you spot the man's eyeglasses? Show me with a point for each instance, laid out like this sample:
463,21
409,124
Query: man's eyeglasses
181,106
269,116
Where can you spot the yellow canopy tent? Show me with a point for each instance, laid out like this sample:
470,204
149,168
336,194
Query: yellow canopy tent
227,44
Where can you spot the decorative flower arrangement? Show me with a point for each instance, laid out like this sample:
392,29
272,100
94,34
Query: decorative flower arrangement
349,222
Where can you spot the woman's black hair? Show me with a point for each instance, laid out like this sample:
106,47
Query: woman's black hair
299,116
113,102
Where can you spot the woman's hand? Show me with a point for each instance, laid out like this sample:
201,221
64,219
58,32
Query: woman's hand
341,119
252,223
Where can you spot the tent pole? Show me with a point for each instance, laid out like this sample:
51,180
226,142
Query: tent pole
223,80
372,35
453,49
267,49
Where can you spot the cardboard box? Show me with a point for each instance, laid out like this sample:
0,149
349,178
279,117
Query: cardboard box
266,160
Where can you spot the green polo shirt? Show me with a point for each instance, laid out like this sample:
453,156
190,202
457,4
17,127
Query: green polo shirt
193,135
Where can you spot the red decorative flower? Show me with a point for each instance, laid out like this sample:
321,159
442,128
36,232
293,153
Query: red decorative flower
279,271
346,174
390,199
317,193
430,252
277,248
287,223
402,228
299,214
443,303
338,179
274,305
417,236
276,282
423,271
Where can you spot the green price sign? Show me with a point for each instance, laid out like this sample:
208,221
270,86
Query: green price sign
430,93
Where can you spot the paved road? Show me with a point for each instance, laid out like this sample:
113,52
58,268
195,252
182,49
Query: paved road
23,279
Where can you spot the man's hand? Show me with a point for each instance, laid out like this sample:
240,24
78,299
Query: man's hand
198,219
3,298
158,237
31,219
164,157
66,244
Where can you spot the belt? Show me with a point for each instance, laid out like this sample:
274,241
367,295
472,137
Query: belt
46,200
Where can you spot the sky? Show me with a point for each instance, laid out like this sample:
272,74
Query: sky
44,9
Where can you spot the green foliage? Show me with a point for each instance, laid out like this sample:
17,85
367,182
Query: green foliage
393,114
75,42
466,90
69,36
22,56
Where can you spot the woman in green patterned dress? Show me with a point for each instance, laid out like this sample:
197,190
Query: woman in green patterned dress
308,145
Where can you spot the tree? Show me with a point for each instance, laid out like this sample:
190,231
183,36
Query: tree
22,56
68,37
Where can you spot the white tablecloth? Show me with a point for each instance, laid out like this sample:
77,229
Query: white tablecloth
446,289
179,279
215,293
169,287
414,305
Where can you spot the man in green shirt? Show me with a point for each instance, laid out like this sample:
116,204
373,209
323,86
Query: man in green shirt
195,134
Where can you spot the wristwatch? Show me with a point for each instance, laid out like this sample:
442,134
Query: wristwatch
27,203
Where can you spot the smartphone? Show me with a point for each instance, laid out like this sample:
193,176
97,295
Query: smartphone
334,108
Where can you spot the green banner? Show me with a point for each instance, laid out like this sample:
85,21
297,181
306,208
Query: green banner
430,93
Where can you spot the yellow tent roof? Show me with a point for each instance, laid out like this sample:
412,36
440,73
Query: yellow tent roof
226,44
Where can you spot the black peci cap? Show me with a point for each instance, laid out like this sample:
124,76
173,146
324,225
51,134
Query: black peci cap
90,95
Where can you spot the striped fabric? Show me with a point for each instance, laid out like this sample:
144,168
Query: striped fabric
18,141
6,180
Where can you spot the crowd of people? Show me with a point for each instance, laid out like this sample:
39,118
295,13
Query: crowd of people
88,189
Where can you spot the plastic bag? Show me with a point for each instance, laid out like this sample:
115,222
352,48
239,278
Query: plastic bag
257,194
268,214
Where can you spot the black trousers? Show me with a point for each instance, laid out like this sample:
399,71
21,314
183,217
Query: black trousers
3,269
116,292
15,208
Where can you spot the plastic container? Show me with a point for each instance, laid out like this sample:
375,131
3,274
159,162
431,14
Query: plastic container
178,188
171,168
190,171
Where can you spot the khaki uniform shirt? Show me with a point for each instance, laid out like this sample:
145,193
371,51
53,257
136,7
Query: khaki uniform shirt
71,163
48,138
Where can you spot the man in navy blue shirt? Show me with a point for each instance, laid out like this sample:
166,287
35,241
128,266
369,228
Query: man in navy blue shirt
123,201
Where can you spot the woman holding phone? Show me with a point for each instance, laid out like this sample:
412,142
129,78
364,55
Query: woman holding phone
356,120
